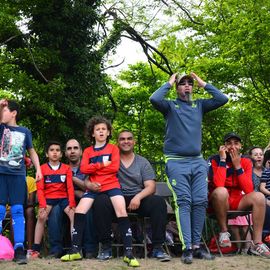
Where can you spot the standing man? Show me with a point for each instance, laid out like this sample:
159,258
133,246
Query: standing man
73,154
137,179
185,166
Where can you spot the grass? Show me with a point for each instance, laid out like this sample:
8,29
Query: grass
239,262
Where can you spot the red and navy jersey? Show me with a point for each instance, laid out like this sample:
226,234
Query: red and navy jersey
92,164
222,174
55,184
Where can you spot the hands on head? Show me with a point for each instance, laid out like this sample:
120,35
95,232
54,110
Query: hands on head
200,82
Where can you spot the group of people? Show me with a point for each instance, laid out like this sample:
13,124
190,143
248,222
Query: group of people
104,182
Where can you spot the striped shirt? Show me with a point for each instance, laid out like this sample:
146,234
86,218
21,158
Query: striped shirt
266,179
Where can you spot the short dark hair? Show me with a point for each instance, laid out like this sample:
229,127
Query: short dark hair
125,130
14,106
50,143
266,157
90,125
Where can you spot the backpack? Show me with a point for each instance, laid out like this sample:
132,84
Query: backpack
6,249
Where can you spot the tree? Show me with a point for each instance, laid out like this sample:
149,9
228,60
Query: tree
53,64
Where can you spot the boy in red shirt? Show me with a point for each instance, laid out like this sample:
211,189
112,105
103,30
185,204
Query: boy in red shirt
101,162
54,188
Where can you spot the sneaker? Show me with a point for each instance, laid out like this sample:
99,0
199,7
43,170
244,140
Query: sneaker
161,255
29,253
131,261
224,239
187,256
90,255
34,255
72,255
55,255
19,256
104,254
260,249
200,253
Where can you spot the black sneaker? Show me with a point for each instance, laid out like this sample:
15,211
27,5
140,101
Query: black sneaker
90,255
20,256
200,253
55,255
187,256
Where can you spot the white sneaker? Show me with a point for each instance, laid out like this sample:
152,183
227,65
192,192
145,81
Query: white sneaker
260,249
224,239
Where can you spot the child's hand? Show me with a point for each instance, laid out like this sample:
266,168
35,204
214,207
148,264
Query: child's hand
93,186
42,213
71,209
38,175
106,163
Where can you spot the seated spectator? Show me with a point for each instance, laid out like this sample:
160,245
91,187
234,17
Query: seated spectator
266,159
265,185
231,188
29,210
259,161
137,179
256,155
55,188
73,153
30,216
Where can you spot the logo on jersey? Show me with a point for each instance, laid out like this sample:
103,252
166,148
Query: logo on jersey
105,158
63,178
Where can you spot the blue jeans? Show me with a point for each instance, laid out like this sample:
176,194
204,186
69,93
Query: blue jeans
55,225
55,230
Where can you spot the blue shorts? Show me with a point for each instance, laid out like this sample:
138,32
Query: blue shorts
63,203
110,193
13,189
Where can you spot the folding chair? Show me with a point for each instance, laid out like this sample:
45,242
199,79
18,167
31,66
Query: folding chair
230,215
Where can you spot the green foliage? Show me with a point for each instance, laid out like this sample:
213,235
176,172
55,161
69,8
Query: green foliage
135,112
52,66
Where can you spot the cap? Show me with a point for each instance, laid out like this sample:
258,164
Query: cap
232,135
180,77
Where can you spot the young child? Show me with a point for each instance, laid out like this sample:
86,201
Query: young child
101,161
54,188
15,140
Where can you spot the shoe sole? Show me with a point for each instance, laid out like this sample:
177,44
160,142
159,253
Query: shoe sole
255,253
71,260
20,262
105,259
164,259
187,262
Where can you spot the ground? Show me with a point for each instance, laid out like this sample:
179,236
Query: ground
240,262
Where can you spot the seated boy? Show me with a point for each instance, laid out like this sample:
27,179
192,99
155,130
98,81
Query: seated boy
55,188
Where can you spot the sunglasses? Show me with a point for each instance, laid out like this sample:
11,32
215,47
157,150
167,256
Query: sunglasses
189,82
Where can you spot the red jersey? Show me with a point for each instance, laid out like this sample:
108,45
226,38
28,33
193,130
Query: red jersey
222,174
55,184
92,164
